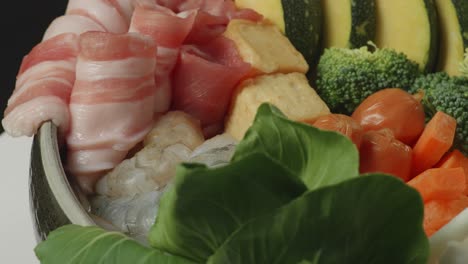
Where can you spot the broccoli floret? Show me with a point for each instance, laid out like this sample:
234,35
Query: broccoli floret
345,77
449,95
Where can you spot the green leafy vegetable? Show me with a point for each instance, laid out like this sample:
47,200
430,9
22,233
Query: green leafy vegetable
318,157
205,206
75,244
370,219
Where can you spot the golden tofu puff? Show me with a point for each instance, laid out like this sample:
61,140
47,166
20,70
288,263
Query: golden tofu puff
291,93
300,21
265,48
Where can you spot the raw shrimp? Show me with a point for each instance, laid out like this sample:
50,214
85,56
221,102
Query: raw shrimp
170,142
215,152
134,214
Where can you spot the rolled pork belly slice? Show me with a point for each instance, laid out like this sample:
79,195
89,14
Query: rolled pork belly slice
113,15
111,106
43,87
71,24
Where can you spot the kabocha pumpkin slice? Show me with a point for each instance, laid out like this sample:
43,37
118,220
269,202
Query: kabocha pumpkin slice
453,23
409,27
300,21
348,23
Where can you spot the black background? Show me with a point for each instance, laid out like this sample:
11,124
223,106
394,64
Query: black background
22,25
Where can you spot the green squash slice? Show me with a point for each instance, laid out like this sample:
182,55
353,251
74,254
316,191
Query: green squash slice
409,27
348,23
453,21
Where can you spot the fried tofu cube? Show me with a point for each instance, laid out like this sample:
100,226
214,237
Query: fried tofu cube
265,48
291,93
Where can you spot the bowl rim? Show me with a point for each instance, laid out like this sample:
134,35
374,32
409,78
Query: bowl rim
57,179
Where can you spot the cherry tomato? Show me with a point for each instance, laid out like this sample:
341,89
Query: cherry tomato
395,109
381,152
342,124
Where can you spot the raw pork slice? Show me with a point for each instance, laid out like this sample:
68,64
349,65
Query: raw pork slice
206,28
43,87
168,30
212,16
92,15
71,24
113,15
112,102
204,79
221,8
125,8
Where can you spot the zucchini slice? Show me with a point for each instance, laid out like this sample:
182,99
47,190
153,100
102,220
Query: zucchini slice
453,21
348,23
300,21
409,27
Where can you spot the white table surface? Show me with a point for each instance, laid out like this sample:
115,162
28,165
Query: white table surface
17,239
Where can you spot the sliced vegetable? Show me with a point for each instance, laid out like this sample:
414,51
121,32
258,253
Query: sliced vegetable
435,141
440,183
348,23
453,23
455,159
372,219
437,213
381,152
409,27
394,109
342,124
74,244
301,21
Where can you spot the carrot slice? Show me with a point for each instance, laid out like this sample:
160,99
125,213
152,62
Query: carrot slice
440,183
437,213
434,142
455,159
